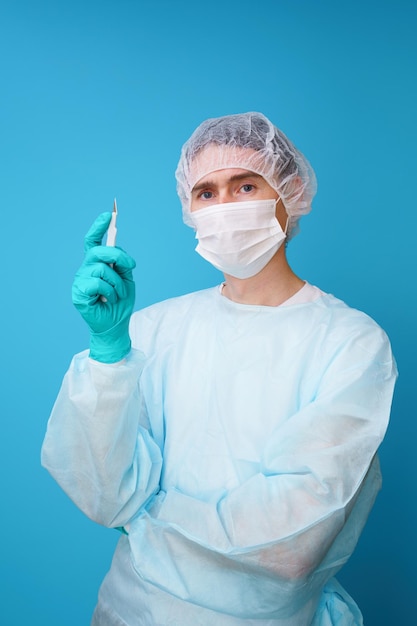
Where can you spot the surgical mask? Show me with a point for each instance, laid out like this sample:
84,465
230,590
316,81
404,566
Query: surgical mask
238,238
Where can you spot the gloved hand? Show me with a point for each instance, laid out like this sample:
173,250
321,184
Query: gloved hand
106,272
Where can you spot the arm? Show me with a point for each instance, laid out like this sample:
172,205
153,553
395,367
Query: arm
95,446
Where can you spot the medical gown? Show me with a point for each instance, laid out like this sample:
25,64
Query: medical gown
236,448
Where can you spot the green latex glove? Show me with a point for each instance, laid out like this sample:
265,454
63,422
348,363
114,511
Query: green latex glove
105,274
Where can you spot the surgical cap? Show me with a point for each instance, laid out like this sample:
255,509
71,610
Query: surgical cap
247,141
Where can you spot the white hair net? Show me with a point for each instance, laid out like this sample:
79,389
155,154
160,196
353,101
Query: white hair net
247,141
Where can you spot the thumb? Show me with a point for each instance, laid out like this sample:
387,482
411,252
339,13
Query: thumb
96,232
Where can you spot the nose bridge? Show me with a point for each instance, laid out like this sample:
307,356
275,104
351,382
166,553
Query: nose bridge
225,197
225,193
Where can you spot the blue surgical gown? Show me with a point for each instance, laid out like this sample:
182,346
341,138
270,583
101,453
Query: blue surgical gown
236,446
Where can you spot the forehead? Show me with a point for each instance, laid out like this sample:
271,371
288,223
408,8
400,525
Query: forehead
214,157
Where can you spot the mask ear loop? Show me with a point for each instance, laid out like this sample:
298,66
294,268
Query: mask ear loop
286,225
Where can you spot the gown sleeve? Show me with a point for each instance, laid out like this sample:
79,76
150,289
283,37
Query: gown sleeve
316,463
98,446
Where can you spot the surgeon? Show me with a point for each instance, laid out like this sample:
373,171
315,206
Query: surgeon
231,435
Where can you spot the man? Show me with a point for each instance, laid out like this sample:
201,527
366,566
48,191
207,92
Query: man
232,433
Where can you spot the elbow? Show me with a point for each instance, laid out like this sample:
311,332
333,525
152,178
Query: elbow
102,502
298,569
292,568
296,560
97,504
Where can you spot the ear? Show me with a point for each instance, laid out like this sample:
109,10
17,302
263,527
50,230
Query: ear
281,214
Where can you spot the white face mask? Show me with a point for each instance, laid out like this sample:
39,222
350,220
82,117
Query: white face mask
239,238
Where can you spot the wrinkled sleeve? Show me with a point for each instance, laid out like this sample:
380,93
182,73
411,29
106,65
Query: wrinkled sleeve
316,462
96,447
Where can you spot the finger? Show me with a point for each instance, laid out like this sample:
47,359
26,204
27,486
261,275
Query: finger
89,290
124,264
111,256
97,230
110,276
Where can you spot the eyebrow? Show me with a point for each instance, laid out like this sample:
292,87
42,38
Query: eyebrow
235,177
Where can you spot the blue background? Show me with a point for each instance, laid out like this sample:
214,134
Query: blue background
96,100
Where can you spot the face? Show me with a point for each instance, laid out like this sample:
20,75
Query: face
234,185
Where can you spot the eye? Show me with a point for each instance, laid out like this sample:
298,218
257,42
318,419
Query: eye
247,188
206,195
